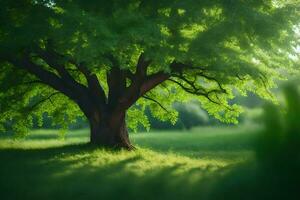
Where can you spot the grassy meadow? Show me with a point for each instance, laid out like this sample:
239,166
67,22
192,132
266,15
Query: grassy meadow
203,163
166,165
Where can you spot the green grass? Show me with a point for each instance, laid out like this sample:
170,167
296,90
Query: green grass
167,165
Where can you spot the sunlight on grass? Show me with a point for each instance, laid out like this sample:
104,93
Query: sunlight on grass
181,162
142,161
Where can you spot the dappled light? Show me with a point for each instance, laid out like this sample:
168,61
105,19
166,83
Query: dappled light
148,99
76,167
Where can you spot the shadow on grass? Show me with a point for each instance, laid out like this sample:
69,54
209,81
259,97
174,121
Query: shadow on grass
77,172
253,181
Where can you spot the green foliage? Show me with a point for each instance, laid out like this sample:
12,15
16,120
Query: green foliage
244,45
136,117
281,139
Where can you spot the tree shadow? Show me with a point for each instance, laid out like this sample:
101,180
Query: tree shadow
74,172
253,181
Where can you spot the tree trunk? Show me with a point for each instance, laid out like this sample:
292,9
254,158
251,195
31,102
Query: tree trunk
109,131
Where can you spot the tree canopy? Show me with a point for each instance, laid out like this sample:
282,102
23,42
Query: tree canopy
59,55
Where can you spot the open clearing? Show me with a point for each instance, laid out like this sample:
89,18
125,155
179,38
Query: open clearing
166,165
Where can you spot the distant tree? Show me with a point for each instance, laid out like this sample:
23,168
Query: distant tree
97,58
190,115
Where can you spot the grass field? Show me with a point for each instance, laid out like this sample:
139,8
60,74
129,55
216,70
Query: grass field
167,165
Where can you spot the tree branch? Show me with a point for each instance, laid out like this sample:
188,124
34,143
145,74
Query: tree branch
94,87
263,80
75,92
190,83
194,90
54,61
142,65
179,67
43,100
155,101
152,81
93,83
204,93
212,79
32,82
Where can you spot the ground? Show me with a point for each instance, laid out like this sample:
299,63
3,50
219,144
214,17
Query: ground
166,165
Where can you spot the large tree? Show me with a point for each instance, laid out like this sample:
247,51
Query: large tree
109,60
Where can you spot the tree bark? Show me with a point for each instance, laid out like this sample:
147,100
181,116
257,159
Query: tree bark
109,130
